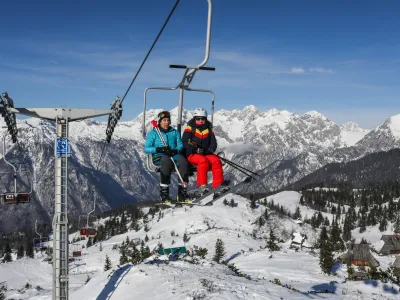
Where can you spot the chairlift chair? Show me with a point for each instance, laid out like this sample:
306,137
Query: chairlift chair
86,230
183,86
41,243
76,250
15,196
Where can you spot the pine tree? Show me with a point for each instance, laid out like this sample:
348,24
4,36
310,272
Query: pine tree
146,238
232,203
225,202
7,256
347,228
20,252
397,225
271,243
266,213
107,264
101,247
123,224
323,236
253,203
135,258
144,251
186,238
326,255
297,214
29,251
219,251
362,223
3,290
123,259
383,225
89,242
261,221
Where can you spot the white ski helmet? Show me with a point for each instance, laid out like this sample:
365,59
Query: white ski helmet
200,112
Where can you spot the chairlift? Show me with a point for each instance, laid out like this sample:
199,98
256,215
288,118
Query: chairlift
183,86
76,250
40,243
14,195
87,230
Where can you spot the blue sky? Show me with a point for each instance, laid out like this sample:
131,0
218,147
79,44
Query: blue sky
341,58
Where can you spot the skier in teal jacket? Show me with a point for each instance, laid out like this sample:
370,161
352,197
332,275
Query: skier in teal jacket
162,156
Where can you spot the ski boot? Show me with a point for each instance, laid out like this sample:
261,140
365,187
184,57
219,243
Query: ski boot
183,195
203,189
164,194
223,188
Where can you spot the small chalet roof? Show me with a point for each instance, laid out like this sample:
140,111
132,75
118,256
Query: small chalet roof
393,240
396,263
361,252
297,237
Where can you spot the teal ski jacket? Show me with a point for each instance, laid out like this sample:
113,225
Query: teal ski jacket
171,137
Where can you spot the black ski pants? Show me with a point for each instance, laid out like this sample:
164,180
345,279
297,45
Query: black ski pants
167,167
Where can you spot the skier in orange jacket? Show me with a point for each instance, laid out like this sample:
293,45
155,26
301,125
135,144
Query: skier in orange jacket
200,144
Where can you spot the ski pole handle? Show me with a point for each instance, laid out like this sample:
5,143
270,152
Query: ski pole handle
154,123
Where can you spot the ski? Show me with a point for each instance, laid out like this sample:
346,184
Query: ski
218,195
223,186
177,204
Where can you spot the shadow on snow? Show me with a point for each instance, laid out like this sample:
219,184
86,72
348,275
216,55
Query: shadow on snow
114,282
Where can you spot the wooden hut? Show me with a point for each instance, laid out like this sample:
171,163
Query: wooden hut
359,255
396,266
391,244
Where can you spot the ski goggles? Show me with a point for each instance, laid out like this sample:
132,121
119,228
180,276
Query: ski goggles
163,115
200,118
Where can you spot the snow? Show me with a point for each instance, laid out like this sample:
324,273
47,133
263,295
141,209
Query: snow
297,238
351,133
350,138
298,272
394,125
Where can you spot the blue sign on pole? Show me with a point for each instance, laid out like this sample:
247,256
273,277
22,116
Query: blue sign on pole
63,148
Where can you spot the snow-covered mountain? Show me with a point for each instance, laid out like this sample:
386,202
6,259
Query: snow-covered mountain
285,274
265,141
351,133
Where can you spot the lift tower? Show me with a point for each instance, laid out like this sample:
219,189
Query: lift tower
62,118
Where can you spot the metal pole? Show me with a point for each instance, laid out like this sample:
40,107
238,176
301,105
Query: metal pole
10,164
208,38
94,208
60,226
180,107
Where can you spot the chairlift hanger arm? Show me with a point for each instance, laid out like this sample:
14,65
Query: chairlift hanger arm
186,67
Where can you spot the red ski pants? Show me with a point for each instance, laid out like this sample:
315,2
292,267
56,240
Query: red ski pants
204,164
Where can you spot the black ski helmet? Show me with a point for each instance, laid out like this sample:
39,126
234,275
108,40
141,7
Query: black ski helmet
164,114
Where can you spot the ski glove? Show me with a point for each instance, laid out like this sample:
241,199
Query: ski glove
166,150
199,151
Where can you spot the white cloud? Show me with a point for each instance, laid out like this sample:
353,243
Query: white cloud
297,70
321,70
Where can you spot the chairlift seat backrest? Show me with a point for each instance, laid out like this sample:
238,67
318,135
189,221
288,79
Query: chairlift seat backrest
89,232
10,198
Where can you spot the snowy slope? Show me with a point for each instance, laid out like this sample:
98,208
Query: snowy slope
351,133
183,280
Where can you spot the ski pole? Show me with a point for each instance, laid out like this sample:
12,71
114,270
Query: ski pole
155,125
244,172
235,165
